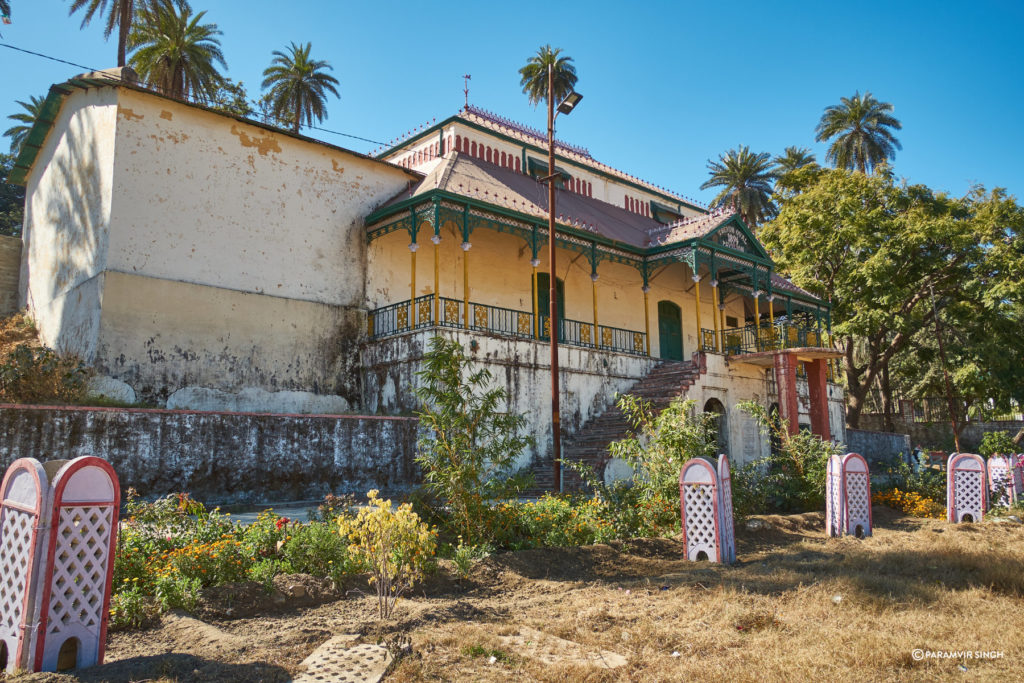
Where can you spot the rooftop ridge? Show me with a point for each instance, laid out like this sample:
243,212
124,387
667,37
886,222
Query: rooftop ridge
524,129
521,131
663,233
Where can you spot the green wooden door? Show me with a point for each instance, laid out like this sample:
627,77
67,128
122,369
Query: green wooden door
670,330
544,301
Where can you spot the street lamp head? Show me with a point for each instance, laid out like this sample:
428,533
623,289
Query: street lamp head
570,102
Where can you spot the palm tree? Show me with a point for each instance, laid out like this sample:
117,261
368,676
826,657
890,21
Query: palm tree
861,128
174,52
299,86
746,182
119,14
5,10
534,76
793,158
19,133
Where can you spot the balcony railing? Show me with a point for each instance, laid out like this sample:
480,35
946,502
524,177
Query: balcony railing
424,311
750,339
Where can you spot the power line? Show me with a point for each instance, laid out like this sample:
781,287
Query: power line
252,103
52,59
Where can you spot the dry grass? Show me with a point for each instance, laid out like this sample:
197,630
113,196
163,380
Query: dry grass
798,606
17,329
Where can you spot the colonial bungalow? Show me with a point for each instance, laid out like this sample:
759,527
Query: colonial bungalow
207,261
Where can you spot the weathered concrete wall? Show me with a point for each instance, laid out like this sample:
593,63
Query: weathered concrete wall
202,198
185,253
67,223
588,379
164,337
10,267
878,447
222,457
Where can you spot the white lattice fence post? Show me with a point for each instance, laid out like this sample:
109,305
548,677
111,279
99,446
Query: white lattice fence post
1017,474
23,503
728,536
698,503
857,517
834,496
966,492
74,585
1000,482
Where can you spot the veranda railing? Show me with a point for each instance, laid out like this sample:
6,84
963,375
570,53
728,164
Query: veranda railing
426,311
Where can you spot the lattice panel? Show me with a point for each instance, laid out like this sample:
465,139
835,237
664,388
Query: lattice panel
15,558
858,504
585,334
451,311
79,568
728,534
480,317
425,310
1000,483
524,324
967,491
638,341
403,318
835,492
606,337
700,520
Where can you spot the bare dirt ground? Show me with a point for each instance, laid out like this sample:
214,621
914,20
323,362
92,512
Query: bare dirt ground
797,606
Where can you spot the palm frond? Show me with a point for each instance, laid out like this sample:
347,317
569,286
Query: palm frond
533,76
18,134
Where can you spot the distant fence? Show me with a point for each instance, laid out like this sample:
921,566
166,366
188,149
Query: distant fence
221,456
877,447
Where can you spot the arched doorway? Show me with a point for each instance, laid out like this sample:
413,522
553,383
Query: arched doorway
670,330
715,407
544,302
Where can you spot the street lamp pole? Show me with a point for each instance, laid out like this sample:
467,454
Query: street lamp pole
556,427
564,107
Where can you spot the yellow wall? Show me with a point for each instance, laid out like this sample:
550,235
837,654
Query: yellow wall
500,275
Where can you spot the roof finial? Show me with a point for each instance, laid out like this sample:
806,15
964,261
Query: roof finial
466,78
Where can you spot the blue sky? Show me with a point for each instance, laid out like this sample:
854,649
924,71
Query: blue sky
666,85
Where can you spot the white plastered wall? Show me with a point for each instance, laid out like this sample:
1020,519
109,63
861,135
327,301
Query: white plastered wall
67,223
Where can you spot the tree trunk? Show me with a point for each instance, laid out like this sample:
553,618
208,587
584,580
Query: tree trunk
298,108
887,398
124,26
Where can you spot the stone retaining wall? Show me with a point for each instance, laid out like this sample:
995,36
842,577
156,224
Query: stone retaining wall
220,456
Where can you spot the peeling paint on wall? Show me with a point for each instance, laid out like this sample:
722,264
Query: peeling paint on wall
262,145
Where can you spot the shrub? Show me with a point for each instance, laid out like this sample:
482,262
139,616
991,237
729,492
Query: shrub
174,591
927,482
38,375
910,502
791,479
394,544
648,504
465,556
469,446
317,548
993,443
211,564
129,609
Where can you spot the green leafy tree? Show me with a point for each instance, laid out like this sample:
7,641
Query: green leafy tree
534,75
793,159
877,251
174,52
860,128
299,86
470,444
746,180
12,200
231,98
120,14
24,119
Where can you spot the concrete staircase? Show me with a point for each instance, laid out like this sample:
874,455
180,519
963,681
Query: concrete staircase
665,382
